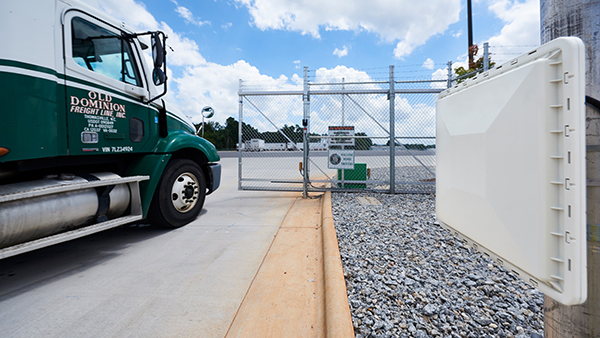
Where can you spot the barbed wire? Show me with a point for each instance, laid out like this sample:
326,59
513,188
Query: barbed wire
402,72
513,46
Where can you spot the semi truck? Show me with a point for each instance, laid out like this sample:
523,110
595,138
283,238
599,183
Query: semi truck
87,141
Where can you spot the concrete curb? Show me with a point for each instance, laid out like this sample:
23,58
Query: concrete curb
338,321
299,289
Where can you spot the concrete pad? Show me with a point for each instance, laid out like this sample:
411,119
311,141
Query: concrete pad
134,281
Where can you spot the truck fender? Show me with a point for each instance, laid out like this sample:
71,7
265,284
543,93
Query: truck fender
177,141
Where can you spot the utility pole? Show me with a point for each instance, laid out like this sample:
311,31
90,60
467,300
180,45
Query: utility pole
580,18
470,29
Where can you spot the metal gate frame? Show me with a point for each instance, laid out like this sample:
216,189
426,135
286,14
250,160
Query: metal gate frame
307,162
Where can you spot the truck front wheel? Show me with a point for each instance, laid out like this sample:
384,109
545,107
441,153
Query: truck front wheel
179,196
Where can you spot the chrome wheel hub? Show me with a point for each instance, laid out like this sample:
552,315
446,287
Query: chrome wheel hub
185,192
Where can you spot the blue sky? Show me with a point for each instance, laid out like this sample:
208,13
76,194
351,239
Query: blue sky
267,42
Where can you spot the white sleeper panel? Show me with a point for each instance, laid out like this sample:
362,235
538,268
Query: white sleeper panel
511,166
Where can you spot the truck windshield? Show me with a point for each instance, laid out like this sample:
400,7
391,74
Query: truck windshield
103,52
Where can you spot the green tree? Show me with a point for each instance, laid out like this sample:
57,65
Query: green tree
225,137
415,146
362,143
473,69
294,133
213,133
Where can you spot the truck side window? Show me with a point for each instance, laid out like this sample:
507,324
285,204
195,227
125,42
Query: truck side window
136,129
103,52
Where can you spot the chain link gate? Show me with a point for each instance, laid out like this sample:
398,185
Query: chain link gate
298,157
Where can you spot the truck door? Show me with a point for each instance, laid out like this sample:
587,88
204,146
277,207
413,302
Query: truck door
105,88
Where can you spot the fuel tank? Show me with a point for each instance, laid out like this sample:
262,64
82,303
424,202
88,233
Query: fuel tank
31,218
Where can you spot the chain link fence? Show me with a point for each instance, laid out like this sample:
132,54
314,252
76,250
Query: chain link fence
333,133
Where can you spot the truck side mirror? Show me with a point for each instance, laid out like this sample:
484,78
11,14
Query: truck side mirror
158,52
158,76
158,56
208,112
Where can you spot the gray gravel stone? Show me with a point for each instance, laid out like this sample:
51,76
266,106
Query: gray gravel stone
429,309
408,277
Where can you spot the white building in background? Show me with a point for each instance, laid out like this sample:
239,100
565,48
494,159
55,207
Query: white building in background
260,145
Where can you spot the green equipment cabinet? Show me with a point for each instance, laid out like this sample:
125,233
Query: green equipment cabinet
359,173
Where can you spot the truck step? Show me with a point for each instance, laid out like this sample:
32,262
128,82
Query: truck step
66,236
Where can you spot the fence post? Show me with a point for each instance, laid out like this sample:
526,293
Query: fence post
343,101
449,74
241,111
486,56
392,98
306,116
343,124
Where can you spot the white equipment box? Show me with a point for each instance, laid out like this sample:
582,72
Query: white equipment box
511,166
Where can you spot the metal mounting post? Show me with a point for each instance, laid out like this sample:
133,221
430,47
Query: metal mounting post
486,56
241,111
449,74
306,106
392,97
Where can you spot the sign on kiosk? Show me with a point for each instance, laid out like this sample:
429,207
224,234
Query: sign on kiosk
341,136
340,159
511,166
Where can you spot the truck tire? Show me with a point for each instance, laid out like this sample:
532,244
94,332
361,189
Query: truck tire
179,196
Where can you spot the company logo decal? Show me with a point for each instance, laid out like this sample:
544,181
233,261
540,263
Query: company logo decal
97,104
99,111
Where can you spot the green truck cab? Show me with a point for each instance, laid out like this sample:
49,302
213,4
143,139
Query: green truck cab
87,141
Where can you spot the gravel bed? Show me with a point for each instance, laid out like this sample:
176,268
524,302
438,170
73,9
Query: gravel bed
408,277
411,179
422,179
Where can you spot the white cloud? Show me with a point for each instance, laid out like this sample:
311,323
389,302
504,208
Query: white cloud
185,13
202,83
184,51
341,52
227,25
189,17
520,33
341,72
297,64
442,73
405,22
428,64
131,12
522,27
416,118
218,85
